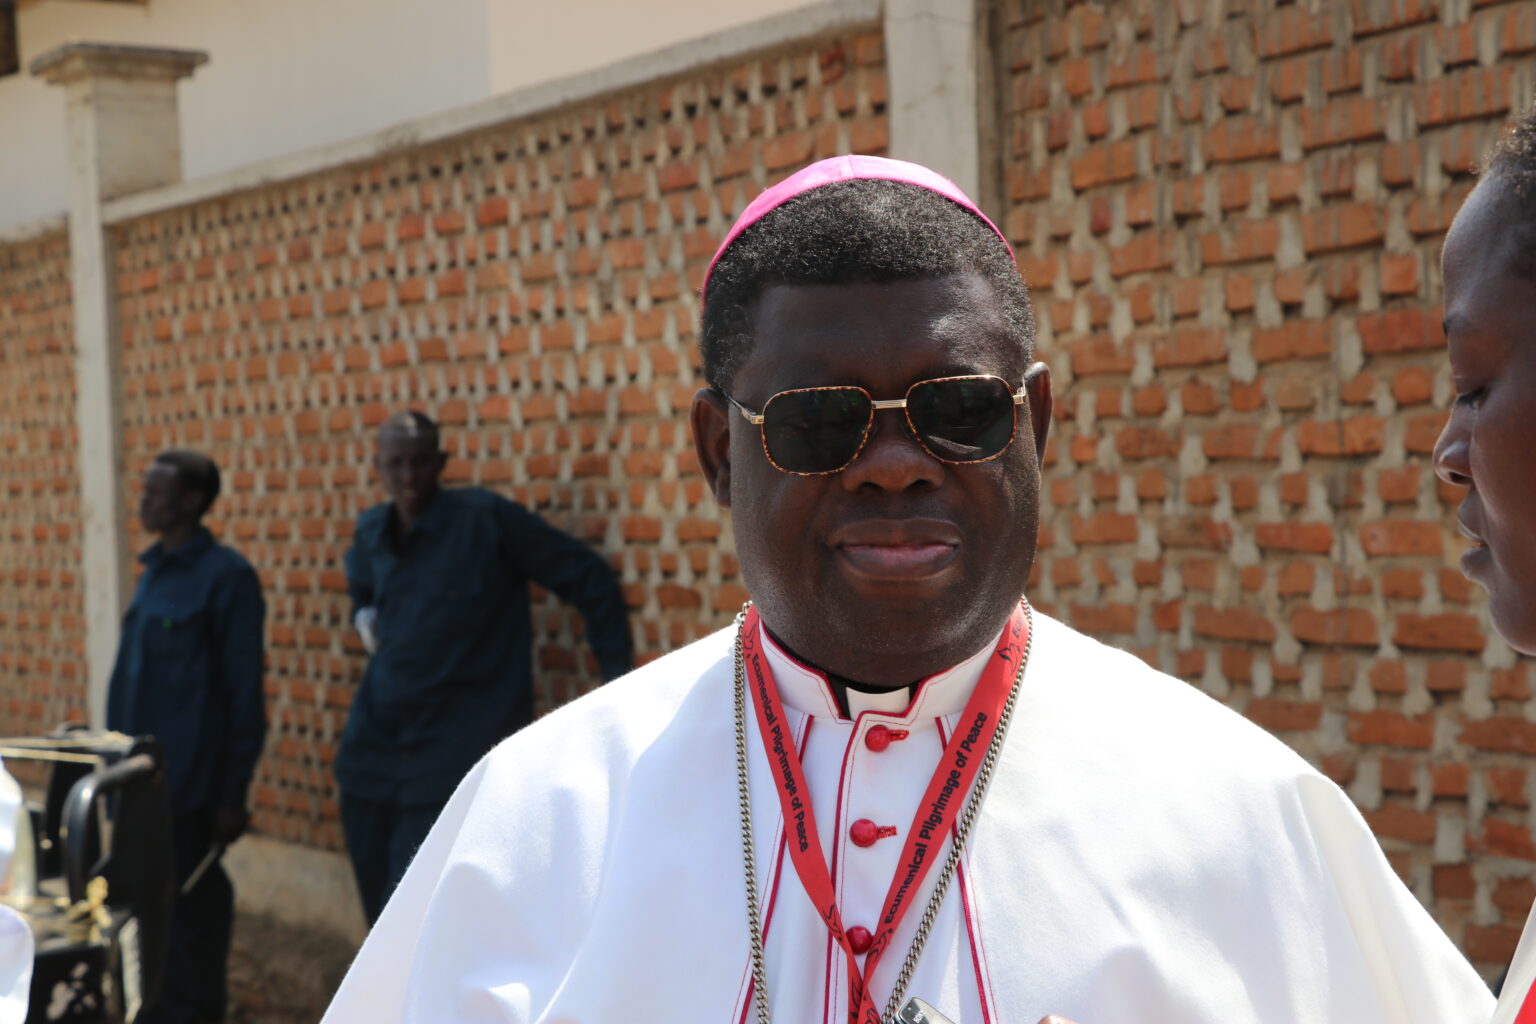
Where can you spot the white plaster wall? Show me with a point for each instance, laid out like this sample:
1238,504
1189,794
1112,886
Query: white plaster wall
288,75
283,75
535,40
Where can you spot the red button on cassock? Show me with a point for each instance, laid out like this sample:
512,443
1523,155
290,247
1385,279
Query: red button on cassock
866,833
879,737
860,938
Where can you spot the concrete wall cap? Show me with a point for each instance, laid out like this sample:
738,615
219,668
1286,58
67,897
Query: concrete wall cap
110,60
33,230
791,28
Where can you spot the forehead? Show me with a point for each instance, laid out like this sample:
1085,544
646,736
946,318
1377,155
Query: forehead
1481,244
402,442
876,332
161,474
1489,287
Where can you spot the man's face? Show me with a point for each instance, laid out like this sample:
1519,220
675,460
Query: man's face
166,505
409,467
898,566
1489,442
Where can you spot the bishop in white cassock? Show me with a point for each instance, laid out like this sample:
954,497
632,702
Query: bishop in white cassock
935,793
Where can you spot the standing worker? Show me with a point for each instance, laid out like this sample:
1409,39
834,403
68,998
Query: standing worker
439,585
188,672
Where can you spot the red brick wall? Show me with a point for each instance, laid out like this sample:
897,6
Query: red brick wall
1231,215
42,631
533,287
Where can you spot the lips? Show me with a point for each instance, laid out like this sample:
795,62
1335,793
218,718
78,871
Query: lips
1477,558
1469,531
897,549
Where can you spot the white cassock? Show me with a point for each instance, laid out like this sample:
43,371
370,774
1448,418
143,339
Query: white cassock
1144,856
1520,979
15,936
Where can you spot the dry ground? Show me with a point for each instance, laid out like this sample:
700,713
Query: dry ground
282,975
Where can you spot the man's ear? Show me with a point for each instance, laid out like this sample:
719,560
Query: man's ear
1037,385
710,418
190,503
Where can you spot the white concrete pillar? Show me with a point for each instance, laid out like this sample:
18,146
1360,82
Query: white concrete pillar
935,63
124,135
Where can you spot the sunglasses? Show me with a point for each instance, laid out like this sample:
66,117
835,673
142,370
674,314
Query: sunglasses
957,420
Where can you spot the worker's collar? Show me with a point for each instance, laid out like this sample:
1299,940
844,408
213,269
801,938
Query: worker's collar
434,518
195,545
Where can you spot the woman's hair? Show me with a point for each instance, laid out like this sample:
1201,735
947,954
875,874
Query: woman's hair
1513,165
863,231
1514,157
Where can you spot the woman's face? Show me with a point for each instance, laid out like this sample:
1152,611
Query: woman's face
1489,443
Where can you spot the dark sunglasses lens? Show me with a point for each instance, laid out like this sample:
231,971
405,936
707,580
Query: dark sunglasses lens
815,431
965,420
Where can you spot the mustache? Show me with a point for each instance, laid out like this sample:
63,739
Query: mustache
900,507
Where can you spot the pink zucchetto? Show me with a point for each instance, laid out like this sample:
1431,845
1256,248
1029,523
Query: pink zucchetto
847,168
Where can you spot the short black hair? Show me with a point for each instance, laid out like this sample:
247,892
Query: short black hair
862,231
196,472
412,424
1513,163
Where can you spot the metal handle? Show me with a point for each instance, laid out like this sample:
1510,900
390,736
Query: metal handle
78,807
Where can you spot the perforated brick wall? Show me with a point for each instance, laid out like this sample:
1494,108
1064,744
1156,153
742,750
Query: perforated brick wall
532,287
42,631
1231,213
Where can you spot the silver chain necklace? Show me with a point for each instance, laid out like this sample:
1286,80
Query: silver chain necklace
963,825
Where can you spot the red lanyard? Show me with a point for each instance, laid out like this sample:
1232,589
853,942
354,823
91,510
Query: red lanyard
1527,1014
935,816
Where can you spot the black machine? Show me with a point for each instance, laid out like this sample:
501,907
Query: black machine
94,875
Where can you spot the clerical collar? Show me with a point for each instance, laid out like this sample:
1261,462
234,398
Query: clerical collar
813,691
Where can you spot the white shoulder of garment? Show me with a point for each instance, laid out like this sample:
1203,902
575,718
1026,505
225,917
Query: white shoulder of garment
1521,976
1145,856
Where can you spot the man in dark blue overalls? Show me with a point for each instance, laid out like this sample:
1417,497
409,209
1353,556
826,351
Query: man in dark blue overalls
439,584
188,672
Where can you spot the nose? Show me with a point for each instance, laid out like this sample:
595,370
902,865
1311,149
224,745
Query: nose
892,460
1452,458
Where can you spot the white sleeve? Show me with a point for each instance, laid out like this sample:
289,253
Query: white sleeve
15,966
15,936
10,807
1418,975
498,901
